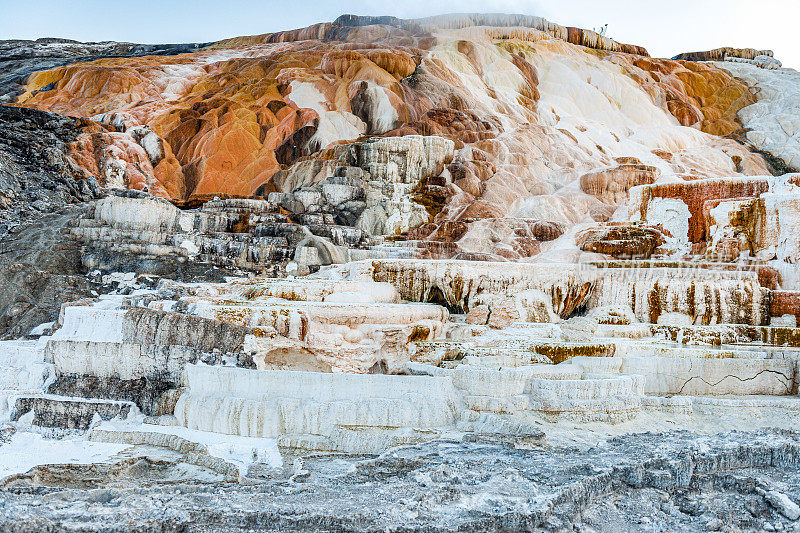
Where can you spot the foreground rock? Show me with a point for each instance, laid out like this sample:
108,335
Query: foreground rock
746,481
451,272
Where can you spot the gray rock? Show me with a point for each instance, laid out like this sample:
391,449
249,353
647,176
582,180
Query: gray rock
444,485
337,194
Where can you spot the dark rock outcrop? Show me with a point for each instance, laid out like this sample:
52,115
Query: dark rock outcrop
64,413
40,269
36,174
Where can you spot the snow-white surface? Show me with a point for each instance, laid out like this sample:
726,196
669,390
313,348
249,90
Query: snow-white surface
22,366
242,451
264,403
772,123
25,450
672,214
95,323
333,125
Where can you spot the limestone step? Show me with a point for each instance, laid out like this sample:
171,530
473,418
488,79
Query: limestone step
592,398
729,334
315,290
674,295
230,248
68,412
357,439
654,349
701,376
239,205
107,234
326,312
230,455
746,407
259,403
23,367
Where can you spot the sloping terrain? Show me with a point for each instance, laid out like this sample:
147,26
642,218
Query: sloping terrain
468,272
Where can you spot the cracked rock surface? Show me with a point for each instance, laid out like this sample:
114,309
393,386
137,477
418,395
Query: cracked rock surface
736,481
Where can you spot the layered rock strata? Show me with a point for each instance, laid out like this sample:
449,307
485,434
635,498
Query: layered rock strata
340,252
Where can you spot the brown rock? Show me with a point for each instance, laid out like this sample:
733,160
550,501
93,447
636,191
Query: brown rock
785,303
478,315
621,241
611,185
503,314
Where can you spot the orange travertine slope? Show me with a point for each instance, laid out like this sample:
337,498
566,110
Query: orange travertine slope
527,120
227,118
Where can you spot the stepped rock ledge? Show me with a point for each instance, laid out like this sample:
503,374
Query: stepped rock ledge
466,272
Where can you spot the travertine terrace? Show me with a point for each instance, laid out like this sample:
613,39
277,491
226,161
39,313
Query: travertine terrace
375,255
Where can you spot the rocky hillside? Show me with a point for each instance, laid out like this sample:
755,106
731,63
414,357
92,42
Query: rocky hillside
458,270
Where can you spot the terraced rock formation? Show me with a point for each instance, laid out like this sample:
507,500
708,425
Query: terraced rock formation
464,272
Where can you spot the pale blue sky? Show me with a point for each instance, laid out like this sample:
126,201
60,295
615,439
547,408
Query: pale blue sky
664,27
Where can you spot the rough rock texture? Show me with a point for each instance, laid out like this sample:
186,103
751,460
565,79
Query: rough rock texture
40,270
67,414
382,274
612,185
785,303
741,480
621,241
36,174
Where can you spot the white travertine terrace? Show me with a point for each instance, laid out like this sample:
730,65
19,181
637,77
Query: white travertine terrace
673,295
22,366
293,405
497,344
566,249
464,284
23,369
772,123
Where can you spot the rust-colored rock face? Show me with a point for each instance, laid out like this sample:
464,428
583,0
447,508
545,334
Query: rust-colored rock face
719,54
485,135
228,118
696,194
785,303
731,227
621,241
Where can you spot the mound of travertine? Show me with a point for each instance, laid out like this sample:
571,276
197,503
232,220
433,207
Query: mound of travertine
327,255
